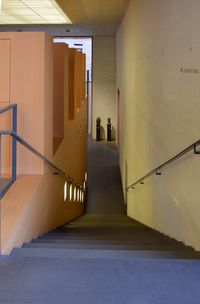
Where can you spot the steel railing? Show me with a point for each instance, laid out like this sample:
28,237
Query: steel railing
16,138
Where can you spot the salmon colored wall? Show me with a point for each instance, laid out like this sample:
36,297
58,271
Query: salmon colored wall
83,75
75,130
48,97
71,84
5,45
25,216
27,74
59,83
35,203
77,79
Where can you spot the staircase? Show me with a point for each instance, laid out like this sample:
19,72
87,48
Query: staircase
104,257
101,259
106,237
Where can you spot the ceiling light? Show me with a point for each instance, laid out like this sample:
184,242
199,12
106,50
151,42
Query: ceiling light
31,11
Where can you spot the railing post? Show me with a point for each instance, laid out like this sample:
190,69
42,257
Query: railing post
196,145
14,144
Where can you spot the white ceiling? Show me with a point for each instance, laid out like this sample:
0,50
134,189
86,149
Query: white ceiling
88,17
31,12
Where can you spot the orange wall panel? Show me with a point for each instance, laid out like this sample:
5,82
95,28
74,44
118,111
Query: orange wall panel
77,79
83,72
59,92
5,53
30,86
37,196
71,91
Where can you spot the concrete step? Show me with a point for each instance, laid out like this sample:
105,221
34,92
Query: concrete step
111,245
102,254
105,224
101,225
105,230
110,239
88,222
120,236
104,246
102,231
136,238
122,218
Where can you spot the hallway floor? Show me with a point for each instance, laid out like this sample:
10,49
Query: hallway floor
105,195
101,258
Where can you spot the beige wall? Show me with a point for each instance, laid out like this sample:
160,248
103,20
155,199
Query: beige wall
160,108
104,82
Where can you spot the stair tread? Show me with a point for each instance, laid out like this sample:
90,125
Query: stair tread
99,254
136,241
120,236
106,237
107,246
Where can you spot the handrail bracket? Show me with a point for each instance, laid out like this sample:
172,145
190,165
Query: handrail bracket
196,146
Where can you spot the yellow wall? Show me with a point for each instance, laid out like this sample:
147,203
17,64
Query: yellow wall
104,81
160,113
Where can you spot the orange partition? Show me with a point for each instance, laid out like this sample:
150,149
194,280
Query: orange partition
71,91
78,67
5,55
46,82
60,87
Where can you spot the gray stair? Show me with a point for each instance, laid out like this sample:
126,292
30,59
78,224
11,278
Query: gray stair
103,254
106,237
101,258
64,245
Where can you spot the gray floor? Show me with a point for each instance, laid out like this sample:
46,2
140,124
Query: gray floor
101,281
102,258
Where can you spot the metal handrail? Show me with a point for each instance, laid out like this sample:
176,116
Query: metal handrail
7,108
41,156
157,170
16,138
